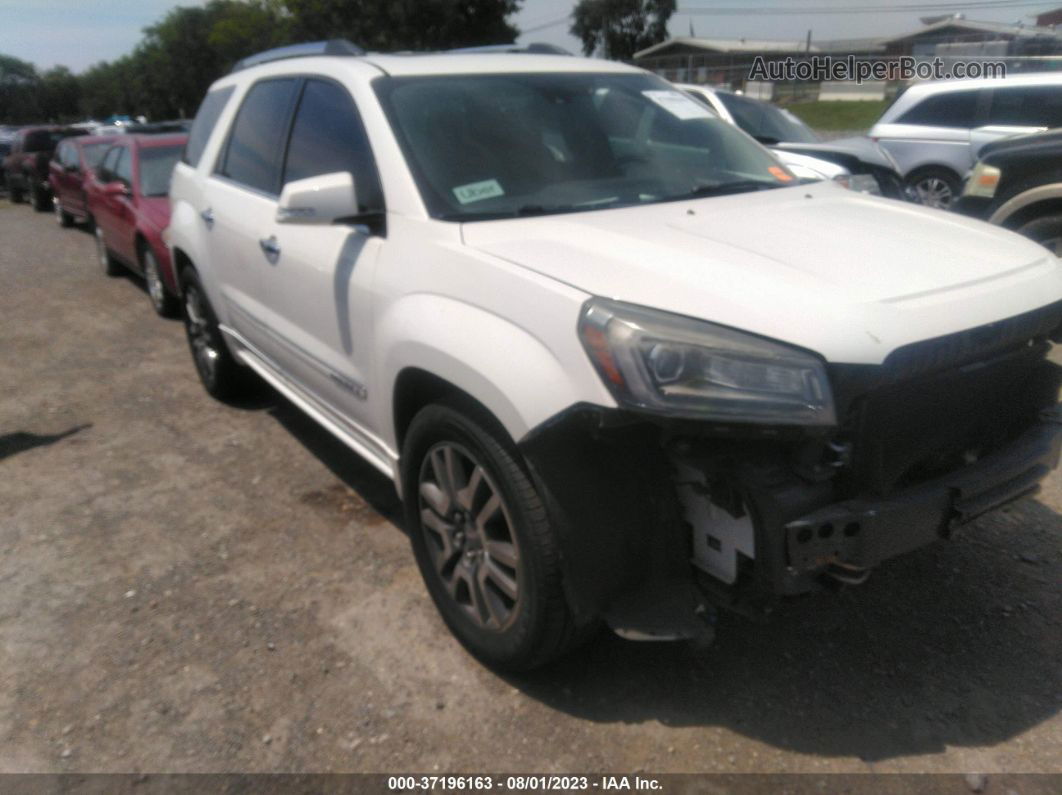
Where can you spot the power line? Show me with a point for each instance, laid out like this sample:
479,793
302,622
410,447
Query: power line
909,8
545,25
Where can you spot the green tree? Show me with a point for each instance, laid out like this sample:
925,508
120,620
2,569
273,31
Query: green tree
617,29
390,25
58,94
18,91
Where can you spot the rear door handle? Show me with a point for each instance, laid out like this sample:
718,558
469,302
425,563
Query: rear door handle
270,246
208,217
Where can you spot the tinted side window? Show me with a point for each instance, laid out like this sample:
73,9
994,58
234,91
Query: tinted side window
1027,106
950,109
123,170
255,144
206,118
328,136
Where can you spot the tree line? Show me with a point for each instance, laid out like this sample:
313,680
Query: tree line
169,70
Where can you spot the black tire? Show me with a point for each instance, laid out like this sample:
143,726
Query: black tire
538,627
223,377
1046,230
106,261
162,300
62,217
935,187
39,198
16,195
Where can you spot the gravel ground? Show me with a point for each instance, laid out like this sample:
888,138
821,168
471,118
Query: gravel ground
188,586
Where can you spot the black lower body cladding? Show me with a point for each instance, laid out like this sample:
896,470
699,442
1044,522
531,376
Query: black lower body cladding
939,434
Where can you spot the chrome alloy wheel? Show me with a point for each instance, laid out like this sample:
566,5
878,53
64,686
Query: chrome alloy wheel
200,334
156,289
470,536
934,192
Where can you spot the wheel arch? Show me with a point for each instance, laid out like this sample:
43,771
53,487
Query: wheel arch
1029,205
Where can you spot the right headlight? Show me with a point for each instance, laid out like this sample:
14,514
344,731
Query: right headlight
673,365
983,181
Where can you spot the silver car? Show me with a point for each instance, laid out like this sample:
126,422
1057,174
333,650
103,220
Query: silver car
935,130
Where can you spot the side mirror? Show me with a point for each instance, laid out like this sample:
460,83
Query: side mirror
318,200
116,188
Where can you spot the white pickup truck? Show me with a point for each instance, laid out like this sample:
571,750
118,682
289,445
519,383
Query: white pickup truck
618,362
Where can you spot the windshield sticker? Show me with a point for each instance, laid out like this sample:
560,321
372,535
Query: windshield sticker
478,191
678,104
780,174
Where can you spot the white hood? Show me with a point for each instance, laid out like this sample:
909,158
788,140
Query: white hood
844,274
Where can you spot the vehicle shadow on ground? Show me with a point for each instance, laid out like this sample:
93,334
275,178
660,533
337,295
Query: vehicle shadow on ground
354,471
954,645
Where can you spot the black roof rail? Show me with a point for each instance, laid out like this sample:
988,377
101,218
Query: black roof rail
330,47
535,48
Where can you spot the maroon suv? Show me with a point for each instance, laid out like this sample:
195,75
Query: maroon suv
73,163
26,165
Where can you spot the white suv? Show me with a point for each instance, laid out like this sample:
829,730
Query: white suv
935,130
618,363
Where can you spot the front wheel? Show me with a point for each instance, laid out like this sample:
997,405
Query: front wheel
483,540
935,187
38,197
1047,231
223,377
162,300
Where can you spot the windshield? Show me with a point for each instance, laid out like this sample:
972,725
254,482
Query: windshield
156,168
495,146
766,123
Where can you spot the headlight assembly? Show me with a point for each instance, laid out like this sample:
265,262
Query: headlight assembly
861,183
668,364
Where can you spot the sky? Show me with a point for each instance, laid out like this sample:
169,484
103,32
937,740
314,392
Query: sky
78,33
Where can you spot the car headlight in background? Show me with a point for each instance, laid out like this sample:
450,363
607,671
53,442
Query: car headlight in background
983,181
669,364
861,183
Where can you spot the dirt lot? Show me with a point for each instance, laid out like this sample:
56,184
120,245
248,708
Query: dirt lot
187,586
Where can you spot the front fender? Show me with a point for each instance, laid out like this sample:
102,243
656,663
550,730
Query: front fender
516,376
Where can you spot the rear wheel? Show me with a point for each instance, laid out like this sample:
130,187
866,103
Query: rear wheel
62,217
103,256
162,300
1047,231
222,376
935,187
483,540
38,197
16,194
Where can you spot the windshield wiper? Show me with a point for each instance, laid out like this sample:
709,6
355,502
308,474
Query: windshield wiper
726,188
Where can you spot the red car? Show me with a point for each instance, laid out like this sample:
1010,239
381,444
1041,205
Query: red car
72,165
128,199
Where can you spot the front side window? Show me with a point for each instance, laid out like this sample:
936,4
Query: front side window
328,136
256,141
206,118
490,146
156,169
107,165
950,109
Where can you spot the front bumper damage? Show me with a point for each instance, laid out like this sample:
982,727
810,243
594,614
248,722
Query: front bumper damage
662,522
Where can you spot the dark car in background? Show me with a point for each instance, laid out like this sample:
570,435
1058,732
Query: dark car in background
1017,184
26,165
71,167
128,199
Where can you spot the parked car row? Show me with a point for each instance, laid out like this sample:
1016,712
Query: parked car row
118,186
622,365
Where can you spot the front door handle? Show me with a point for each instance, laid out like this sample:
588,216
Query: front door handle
270,247
208,217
